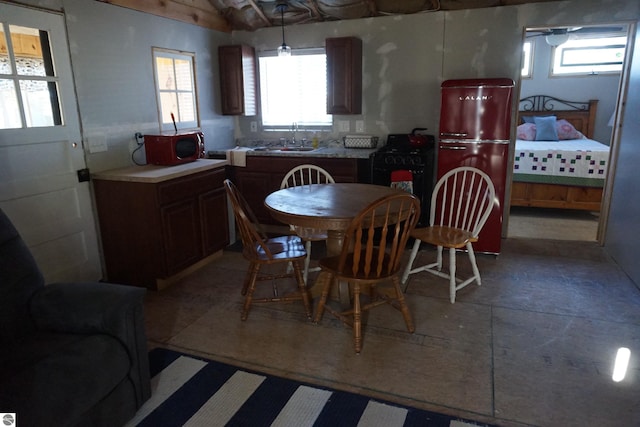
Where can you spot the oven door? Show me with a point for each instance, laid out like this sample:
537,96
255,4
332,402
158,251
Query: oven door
422,180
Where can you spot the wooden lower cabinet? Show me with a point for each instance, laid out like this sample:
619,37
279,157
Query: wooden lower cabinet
263,175
153,231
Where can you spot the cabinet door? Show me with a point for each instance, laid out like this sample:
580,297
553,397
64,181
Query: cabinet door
181,234
238,85
213,218
344,75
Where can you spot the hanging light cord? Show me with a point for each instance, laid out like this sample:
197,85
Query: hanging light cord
282,7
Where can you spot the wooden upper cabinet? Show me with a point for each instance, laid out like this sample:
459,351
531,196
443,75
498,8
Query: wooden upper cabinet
238,85
344,75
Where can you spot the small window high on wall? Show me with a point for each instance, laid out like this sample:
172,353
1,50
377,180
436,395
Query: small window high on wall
175,89
586,56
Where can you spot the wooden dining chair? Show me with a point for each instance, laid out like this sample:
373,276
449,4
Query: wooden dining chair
305,175
460,205
261,250
372,255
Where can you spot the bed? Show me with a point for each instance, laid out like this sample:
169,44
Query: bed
566,169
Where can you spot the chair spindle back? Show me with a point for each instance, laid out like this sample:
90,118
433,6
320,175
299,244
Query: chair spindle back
463,199
378,236
246,221
306,174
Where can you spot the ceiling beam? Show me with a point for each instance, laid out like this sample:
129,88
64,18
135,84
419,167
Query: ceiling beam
260,13
196,12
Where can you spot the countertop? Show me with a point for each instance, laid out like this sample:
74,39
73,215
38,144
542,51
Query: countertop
154,174
335,152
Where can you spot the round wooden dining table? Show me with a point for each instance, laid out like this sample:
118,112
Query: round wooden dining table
329,207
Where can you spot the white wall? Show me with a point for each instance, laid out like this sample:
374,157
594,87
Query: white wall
402,68
111,53
113,70
624,215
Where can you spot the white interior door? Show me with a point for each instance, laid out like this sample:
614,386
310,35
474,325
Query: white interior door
41,146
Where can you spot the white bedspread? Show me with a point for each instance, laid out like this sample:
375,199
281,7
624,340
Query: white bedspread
575,161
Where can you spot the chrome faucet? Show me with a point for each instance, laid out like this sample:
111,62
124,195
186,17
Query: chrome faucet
294,129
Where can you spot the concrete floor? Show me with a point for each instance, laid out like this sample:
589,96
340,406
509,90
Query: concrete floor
534,345
556,224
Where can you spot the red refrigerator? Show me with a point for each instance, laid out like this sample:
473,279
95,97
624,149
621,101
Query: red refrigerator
475,125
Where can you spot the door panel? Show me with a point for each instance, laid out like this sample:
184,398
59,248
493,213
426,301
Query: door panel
39,188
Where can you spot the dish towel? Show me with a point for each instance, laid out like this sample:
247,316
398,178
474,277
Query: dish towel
238,156
402,179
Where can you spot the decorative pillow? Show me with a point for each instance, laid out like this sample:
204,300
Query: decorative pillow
567,131
526,132
531,119
546,128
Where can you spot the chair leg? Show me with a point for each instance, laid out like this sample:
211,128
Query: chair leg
247,279
404,308
439,258
307,260
474,266
412,257
357,318
323,298
303,289
452,274
254,268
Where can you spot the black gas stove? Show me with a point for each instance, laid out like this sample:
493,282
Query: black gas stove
402,152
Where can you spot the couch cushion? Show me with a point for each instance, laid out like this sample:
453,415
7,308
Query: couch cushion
19,279
60,372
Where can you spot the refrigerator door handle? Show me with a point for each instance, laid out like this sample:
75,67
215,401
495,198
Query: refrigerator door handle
457,134
447,147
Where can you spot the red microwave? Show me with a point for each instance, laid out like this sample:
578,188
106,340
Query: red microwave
173,149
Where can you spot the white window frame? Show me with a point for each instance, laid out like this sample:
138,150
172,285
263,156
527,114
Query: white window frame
181,123
273,84
527,59
22,117
561,65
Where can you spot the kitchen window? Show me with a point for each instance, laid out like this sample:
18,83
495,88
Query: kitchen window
28,83
175,89
294,90
589,56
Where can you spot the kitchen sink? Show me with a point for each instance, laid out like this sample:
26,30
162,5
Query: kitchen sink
284,149
297,149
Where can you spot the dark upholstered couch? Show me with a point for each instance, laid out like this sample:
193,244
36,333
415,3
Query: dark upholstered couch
70,353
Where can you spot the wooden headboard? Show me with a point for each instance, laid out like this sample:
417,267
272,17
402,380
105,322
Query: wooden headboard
582,115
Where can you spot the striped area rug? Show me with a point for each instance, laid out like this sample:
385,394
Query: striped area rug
189,391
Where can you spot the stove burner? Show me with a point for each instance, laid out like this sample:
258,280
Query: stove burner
400,143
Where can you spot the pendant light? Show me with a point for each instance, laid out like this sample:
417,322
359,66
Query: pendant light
283,50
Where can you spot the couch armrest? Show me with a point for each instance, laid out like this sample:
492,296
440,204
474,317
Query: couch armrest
92,307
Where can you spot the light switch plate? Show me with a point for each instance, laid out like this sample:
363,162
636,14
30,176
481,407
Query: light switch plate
254,126
97,143
360,126
343,126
